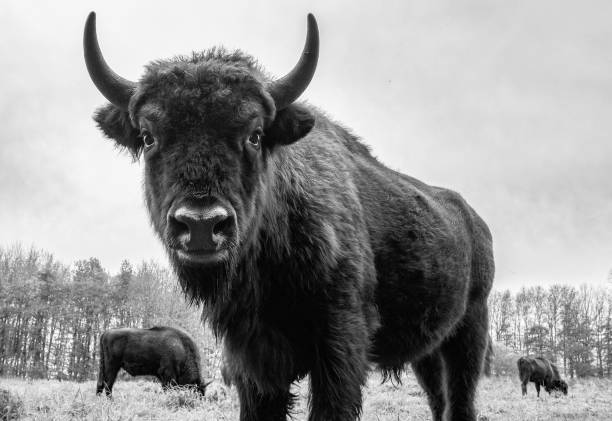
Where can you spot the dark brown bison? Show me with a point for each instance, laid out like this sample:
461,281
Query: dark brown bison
541,372
309,256
164,352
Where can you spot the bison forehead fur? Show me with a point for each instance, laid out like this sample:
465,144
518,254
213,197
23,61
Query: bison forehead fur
332,261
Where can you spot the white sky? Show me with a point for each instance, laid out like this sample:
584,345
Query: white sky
508,103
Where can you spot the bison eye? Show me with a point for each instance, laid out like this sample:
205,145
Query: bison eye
255,138
147,138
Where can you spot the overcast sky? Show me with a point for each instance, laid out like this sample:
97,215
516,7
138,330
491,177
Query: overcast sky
508,103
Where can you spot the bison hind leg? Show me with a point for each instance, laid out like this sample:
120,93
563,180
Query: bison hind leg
106,379
429,371
464,354
100,383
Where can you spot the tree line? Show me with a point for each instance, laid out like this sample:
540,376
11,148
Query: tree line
571,326
52,314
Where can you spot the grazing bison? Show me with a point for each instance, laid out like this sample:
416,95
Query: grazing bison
164,352
309,256
541,372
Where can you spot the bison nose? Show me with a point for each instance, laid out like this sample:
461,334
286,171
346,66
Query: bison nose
202,229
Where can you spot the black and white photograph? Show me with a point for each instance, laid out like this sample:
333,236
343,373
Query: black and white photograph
311,210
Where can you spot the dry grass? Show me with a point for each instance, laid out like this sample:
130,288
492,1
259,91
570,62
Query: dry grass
498,399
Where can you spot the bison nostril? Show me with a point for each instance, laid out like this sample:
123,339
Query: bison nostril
178,228
223,226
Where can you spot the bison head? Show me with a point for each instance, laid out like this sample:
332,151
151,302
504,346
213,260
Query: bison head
206,127
560,385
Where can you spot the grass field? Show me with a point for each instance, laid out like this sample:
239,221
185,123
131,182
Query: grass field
498,399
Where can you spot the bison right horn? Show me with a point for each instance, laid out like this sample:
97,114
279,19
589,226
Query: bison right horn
114,88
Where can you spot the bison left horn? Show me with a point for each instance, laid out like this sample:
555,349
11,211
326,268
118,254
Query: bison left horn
288,88
114,88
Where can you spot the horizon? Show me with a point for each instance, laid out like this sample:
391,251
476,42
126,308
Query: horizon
506,104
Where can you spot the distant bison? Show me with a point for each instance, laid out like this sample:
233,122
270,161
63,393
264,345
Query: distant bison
309,256
486,369
541,372
164,352
226,376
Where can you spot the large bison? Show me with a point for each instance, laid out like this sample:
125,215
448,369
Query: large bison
541,372
164,352
309,256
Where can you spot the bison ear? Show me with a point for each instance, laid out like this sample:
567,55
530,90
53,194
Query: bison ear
291,124
116,125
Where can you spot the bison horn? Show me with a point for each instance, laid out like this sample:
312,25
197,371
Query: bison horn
114,88
288,88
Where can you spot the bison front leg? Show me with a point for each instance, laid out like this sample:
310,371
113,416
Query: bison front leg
537,385
340,372
258,406
548,384
524,387
429,371
464,354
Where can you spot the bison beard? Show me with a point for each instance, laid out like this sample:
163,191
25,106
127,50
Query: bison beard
309,256
208,284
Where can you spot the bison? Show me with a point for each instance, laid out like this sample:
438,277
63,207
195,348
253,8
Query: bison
164,352
307,254
541,372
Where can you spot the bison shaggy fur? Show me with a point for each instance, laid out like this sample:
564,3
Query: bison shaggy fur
319,261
